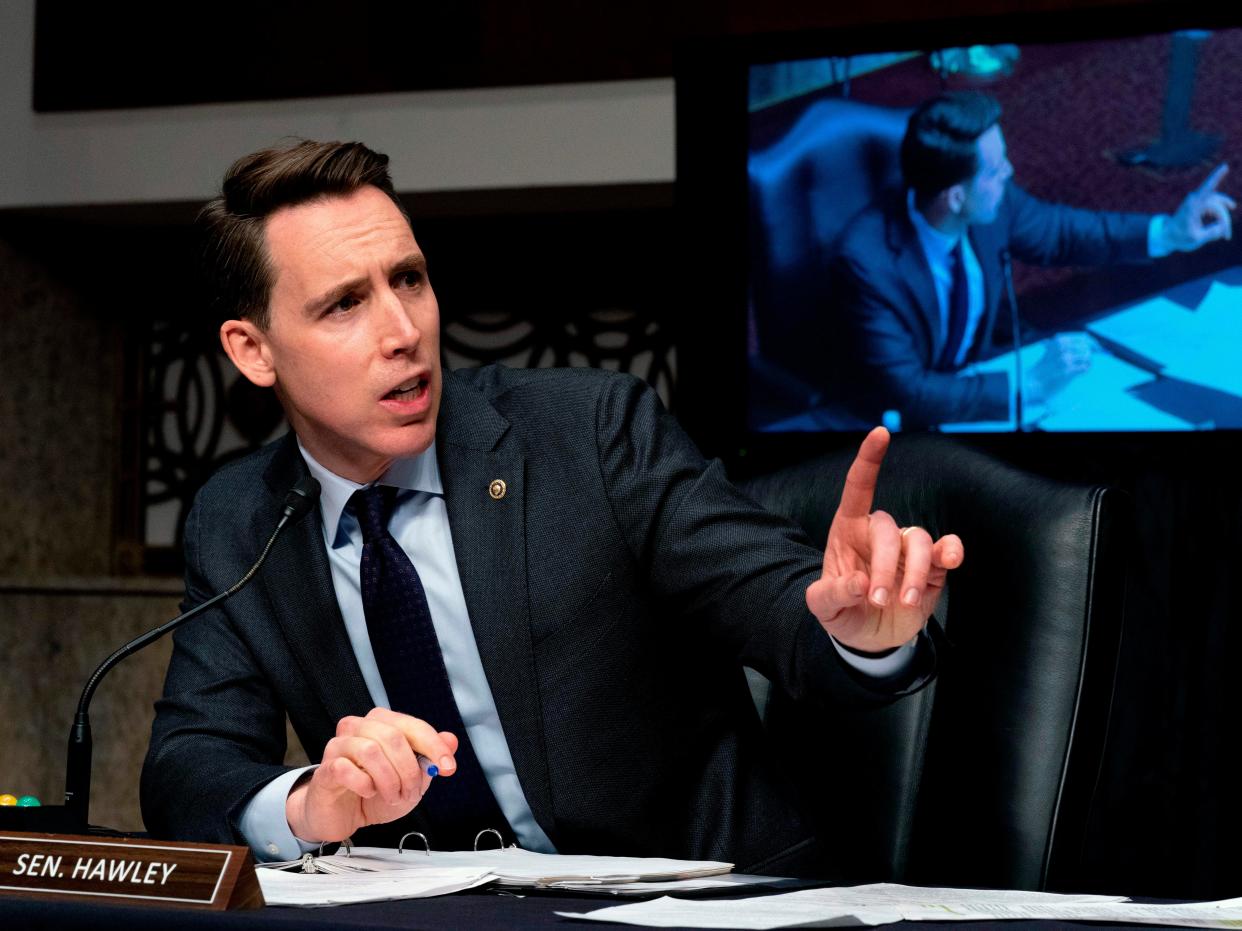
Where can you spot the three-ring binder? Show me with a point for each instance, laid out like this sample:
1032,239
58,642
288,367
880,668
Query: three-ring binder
309,861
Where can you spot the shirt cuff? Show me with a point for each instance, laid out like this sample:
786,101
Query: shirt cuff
880,667
264,825
1157,244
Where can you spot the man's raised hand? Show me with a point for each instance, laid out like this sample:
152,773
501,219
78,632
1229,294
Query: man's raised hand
880,582
1203,215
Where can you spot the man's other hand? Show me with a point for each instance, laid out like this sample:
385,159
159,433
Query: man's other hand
370,774
1203,216
880,582
1066,356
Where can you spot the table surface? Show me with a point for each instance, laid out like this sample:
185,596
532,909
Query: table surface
474,909
1170,363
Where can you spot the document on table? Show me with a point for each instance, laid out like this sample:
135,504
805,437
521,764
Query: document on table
882,903
1097,399
1199,344
723,884
1160,330
368,874
311,890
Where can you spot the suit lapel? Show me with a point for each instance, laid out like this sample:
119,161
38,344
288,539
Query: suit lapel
489,541
983,241
298,582
916,277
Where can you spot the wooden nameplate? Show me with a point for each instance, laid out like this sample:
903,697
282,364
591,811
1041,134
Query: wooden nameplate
127,871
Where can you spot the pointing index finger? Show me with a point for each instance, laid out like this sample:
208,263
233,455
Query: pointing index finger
860,481
1214,179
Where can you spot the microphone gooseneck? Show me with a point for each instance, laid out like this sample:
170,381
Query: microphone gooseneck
1018,374
300,499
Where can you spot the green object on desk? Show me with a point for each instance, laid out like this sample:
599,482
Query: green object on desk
28,801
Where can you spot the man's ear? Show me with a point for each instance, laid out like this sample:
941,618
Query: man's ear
955,198
246,345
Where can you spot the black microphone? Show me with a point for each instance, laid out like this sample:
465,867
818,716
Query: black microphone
73,817
1007,267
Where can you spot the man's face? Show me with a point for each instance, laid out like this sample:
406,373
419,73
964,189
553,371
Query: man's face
353,343
984,192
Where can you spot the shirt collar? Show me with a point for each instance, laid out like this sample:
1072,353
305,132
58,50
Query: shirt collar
419,473
935,243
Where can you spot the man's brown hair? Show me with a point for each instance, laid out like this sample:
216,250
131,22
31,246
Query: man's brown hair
237,270
940,147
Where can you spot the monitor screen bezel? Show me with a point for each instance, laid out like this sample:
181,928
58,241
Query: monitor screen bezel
712,131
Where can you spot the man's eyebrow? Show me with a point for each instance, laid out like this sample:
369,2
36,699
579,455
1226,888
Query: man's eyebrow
332,295
415,261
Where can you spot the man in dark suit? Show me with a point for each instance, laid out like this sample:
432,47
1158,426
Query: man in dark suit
920,276
576,589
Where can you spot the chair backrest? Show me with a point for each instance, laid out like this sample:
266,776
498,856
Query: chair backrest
986,777
837,158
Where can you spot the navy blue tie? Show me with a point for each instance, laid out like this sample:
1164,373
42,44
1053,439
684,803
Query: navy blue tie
959,309
408,655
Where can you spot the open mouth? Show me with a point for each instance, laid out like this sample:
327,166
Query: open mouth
410,391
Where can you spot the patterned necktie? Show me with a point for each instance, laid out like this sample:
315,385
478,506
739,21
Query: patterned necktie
408,655
959,309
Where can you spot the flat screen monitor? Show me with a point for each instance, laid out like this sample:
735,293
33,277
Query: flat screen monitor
852,263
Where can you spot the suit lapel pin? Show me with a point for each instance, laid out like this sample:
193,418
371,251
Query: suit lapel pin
497,489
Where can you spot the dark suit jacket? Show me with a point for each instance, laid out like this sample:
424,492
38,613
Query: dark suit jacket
889,334
615,592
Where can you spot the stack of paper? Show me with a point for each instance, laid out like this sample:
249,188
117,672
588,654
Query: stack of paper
882,903
1199,344
1098,399
368,874
513,866
319,889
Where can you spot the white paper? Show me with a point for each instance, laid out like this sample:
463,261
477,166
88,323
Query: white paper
788,910
874,904
513,865
897,894
1096,399
1199,344
1157,329
375,874
1116,412
1200,914
728,882
320,889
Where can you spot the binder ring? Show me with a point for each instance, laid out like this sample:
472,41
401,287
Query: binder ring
426,844
499,837
345,843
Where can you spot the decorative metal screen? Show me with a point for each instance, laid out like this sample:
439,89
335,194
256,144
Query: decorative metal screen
198,413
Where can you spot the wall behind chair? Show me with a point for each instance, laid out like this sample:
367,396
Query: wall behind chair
61,612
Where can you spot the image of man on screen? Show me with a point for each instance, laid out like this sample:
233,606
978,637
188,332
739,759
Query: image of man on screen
528,579
919,278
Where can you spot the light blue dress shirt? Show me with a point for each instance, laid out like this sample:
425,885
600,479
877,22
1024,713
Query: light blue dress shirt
420,525
937,250
937,247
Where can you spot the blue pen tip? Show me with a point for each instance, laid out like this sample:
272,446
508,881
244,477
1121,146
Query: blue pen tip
433,770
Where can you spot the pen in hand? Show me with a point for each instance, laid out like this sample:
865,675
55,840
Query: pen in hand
430,768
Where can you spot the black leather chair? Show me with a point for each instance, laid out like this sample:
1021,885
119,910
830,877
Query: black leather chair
986,777
835,159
